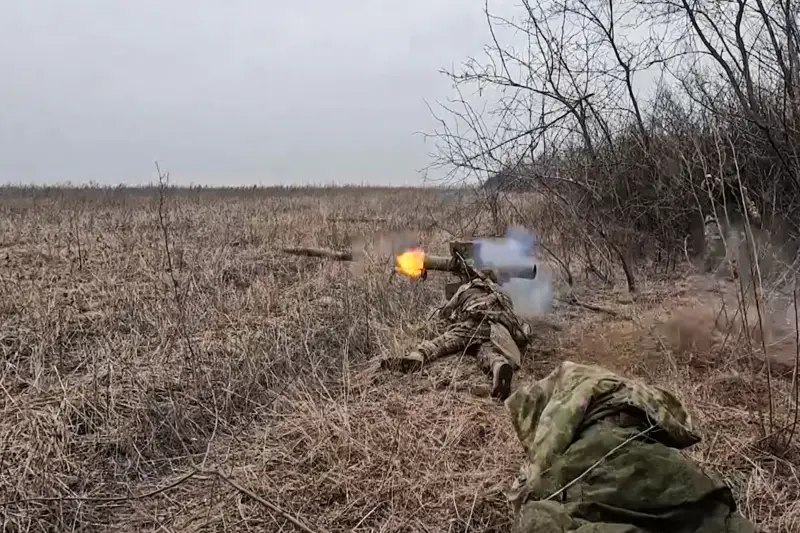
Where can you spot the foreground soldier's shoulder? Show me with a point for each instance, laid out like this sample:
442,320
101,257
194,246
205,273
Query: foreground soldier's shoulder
572,370
571,375
660,400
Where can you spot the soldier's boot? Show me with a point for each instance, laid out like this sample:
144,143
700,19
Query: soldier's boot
408,363
501,379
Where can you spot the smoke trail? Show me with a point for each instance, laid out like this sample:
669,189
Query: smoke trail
516,252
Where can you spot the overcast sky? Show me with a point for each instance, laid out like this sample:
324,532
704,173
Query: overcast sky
226,91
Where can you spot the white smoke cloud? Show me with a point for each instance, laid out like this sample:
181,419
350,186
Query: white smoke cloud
517,250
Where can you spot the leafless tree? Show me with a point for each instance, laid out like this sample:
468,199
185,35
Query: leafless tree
636,120
557,99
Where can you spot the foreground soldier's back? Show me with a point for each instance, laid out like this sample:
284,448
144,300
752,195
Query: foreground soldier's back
603,455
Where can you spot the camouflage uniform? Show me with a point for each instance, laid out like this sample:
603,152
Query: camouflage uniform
714,249
480,317
602,454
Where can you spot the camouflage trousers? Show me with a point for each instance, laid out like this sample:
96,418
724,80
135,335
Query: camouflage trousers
490,342
721,256
714,249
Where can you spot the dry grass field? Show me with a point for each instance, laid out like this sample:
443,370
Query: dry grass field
186,376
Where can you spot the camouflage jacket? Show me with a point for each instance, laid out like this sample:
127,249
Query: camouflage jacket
549,415
483,300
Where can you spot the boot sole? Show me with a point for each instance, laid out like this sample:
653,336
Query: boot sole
408,366
502,382
397,364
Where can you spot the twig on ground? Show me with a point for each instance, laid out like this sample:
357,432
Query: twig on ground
269,505
572,300
197,474
98,499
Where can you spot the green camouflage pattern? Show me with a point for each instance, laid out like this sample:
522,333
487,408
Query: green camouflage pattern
589,467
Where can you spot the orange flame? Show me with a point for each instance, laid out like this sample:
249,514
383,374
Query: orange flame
411,262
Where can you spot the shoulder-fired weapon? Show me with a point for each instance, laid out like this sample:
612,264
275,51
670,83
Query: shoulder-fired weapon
415,263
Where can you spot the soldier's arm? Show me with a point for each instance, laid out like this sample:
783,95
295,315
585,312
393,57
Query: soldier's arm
528,403
560,420
525,406
547,414
446,311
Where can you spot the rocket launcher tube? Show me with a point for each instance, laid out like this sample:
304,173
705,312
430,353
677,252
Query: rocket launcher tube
431,262
320,252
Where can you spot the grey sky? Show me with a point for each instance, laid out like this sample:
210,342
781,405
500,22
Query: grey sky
238,91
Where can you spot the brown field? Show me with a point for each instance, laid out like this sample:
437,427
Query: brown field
223,386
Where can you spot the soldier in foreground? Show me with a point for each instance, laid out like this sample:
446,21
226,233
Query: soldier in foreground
479,320
602,454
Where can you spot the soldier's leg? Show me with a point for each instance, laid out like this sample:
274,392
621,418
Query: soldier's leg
499,367
714,247
457,338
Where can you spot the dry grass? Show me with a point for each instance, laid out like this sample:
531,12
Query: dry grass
237,393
